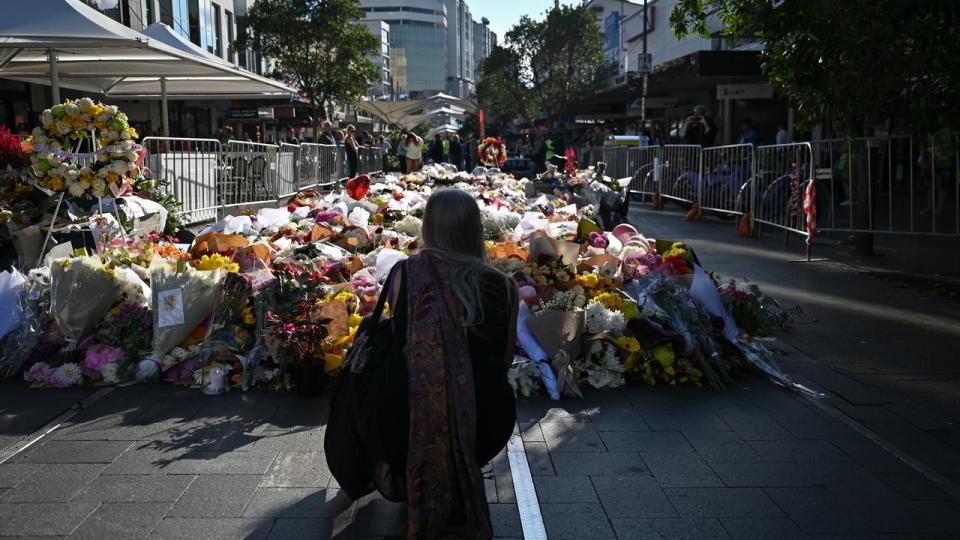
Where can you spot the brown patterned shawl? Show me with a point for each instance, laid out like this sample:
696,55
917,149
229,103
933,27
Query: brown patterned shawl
445,492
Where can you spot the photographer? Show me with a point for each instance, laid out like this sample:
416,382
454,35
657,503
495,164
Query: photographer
698,128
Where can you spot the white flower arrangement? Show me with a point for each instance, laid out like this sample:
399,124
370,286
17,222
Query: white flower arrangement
599,319
603,368
524,376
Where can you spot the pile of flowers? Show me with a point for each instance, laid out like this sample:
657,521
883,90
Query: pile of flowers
260,294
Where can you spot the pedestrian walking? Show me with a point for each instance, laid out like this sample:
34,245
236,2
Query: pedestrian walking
456,152
436,405
783,136
413,152
748,134
351,146
436,149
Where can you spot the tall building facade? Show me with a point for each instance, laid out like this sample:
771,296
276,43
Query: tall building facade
484,40
381,87
431,45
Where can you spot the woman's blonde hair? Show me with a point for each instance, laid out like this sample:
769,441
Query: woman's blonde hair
452,227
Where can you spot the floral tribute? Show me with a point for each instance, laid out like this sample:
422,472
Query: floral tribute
260,297
492,152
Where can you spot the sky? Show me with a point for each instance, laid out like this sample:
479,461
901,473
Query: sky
505,13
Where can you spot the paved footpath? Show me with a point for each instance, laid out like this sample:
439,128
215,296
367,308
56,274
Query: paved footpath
753,461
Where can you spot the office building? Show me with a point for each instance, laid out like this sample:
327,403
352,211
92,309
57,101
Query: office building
484,40
381,87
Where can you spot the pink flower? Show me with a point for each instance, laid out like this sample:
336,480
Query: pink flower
101,355
38,372
529,294
288,330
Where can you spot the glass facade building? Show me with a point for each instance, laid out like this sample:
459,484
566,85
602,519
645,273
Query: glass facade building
418,57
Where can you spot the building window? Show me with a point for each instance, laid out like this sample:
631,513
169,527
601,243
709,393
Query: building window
217,31
231,36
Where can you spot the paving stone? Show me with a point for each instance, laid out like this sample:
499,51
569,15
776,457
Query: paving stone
304,440
211,528
54,483
722,502
683,469
816,511
297,502
500,463
135,488
798,451
564,489
55,451
669,529
376,516
870,455
12,474
222,463
685,422
762,529
505,491
632,497
304,415
572,437
121,521
303,529
531,432
829,430
919,517
91,428
849,481
506,521
576,521
490,489
214,496
736,474
756,427
722,446
298,469
910,484
144,458
657,441
598,463
625,418
538,459
42,519
167,419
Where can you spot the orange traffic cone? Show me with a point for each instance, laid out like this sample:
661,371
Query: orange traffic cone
657,203
694,213
743,229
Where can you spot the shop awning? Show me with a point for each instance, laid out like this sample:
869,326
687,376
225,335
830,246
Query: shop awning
411,113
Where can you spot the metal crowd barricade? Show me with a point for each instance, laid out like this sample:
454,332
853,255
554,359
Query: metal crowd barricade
640,164
728,173
681,168
192,168
894,185
780,180
252,175
288,169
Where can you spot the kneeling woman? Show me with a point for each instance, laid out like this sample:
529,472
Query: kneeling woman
443,406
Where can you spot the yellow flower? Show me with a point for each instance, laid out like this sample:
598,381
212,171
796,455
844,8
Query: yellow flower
589,281
610,300
664,355
214,262
629,309
331,362
629,344
248,317
354,320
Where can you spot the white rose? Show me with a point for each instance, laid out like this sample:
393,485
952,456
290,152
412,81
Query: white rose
112,110
85,103
72,109
62,128
45,119
125,135
99,187
105,117
71,174
110,373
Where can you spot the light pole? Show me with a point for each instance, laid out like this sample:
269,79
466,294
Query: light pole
645,69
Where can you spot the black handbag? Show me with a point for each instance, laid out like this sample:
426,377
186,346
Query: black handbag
355,440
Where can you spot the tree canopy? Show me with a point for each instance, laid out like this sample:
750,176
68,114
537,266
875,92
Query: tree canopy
543,65
317,45
859,62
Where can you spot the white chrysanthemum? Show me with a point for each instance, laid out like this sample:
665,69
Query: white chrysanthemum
99,188
75,189
110,373
72,109
409,226
85,103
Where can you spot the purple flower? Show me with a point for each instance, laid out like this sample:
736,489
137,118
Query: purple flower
64,376
101,355
38,372
599,240
326,216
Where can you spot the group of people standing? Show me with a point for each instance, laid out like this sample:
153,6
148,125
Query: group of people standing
442,149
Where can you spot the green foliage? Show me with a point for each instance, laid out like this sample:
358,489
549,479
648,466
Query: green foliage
318,45
861,62
543,64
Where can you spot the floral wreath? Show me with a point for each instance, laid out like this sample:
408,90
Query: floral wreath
54,159
492,152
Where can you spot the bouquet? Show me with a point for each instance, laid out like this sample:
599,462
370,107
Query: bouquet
182,300
81,293
492,152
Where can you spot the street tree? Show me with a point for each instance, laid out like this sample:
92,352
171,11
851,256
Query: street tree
501,87
319,46
860,62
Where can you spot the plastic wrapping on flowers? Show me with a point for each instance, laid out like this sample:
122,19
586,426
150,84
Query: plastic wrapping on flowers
260,294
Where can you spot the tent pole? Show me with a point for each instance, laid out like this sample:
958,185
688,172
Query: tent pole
164,112
54,77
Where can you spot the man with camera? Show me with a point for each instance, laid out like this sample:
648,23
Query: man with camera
698,128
